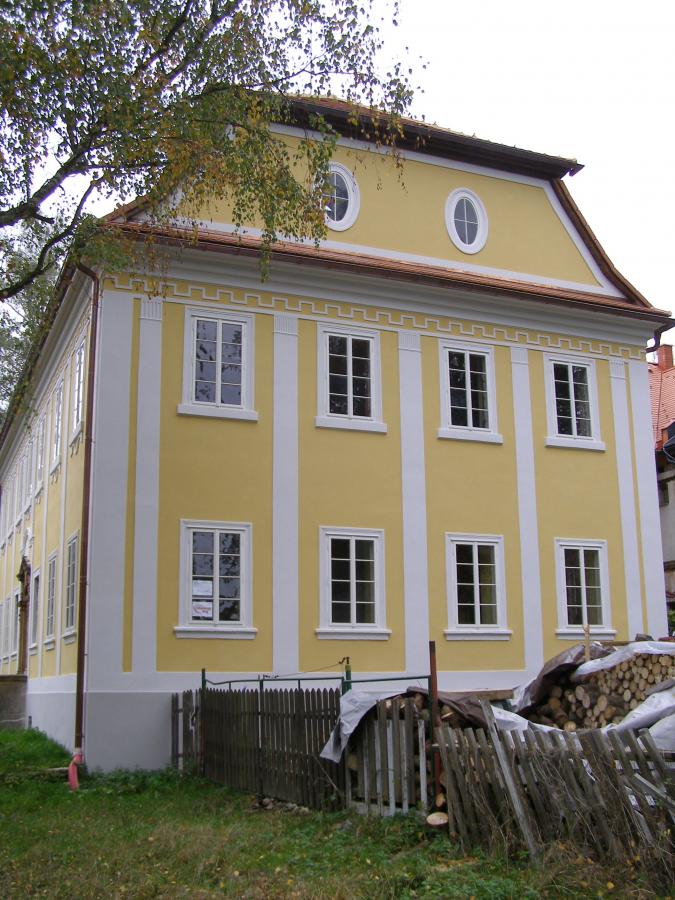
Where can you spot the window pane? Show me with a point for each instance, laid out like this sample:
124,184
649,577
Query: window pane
365,570
339,548
229,587
466,615
205,371
486,574
361,387
340,591
488,614
202,587
340,613
591,559
487,594
337,344
464,574
574,615
365,592
229,542
229,610
571,557
339,569
361,367
338,384
229,566
364,549
205,391
464,553
202,610
486,554
202,564
230,394
365,613
594,615
361,406
361,348
339,405
231,334
230,373
207,330
465,594
337,365
206,350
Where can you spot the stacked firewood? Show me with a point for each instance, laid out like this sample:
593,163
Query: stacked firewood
604,697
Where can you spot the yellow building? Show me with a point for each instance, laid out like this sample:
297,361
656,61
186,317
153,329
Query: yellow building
435,426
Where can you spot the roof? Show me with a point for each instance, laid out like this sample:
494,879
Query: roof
432,139
662,395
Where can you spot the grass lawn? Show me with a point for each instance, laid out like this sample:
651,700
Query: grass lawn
159,835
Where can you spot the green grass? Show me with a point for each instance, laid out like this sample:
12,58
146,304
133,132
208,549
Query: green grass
22,751
148,835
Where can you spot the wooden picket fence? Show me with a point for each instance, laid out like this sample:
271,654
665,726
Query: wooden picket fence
609,792
265,742
386,765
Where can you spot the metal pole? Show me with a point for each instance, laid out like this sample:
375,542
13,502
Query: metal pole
435,717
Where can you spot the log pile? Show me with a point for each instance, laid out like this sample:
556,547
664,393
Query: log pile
604,697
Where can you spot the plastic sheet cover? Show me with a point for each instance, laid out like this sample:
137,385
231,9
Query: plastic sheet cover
623,654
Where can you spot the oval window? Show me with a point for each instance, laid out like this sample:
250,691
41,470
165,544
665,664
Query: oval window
341,198
466,221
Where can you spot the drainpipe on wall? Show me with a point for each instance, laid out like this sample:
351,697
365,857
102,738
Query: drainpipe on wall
86,501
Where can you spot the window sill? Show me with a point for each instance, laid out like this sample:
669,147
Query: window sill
232,632
477,634
470,434
576,632
352,633
353,424
49,643
70,636
55,467
32,650
575,443
217,412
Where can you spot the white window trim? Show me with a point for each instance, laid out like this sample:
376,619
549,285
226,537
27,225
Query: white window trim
77,391
553,439
360,632
190,407
57,422
455,631
576,632
40,445
232,630
69,634
482,234
326,419
354,198
449,431
49,636
33,645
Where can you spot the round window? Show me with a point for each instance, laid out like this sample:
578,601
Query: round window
341,198
466,221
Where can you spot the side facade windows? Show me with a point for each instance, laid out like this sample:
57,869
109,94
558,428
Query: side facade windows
51,595
572,403
71,585
34,609
476,587
468,393
582,579
78,388
218,364
352,584
57,416
216,580
349,386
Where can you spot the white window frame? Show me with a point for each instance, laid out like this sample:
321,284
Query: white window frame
28,476
50,602
35,611
18,490
78,390
6,626
71,588
447,430
353,198
576,632
326,419
57,426
327,630
553,439
455,631
482,233
15,624
190,407
230,630
40,455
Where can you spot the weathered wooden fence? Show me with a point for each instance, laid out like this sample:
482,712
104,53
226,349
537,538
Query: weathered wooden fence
265,742
386,765
611,792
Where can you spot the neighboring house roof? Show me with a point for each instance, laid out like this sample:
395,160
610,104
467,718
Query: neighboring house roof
662,393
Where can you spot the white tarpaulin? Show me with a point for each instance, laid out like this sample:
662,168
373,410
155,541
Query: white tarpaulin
623,654
353,707
663,733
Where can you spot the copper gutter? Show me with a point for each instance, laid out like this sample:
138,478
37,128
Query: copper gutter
86,502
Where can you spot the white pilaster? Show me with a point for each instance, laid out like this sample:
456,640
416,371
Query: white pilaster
527,511
110,454
413,488
631,558
285,618
648,502
63,482
144,651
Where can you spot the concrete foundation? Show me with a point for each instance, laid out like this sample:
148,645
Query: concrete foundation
12,701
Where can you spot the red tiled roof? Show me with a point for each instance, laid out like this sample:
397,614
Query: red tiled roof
662,394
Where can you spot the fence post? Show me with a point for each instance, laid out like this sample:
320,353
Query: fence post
347,680
200,717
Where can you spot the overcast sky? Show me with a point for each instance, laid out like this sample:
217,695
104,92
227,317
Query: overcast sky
593,81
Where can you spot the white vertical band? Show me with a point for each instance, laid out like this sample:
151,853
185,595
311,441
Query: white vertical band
648,502
285,617
631,557
109,474
527,511
63,478
413,487
144,652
